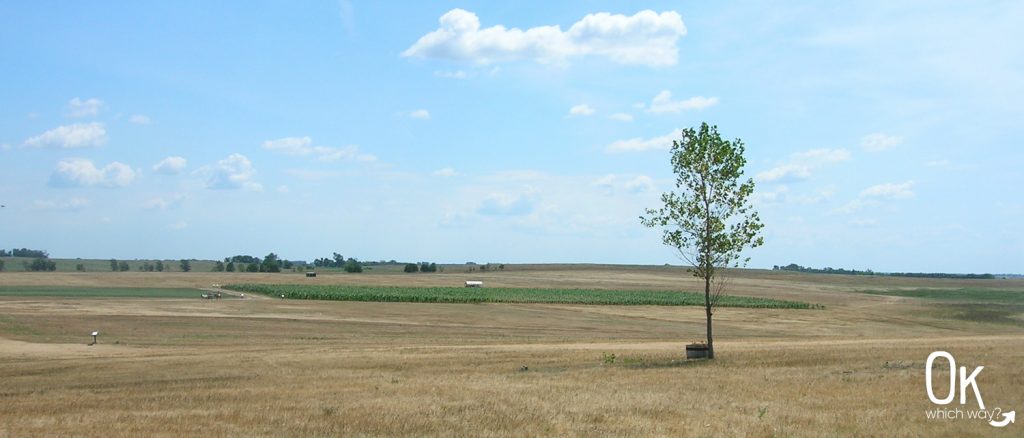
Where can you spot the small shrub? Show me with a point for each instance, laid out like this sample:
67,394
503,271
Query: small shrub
608,358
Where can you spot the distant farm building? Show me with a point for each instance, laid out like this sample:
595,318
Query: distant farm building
311,274
474,283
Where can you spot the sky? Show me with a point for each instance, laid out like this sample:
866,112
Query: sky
881,135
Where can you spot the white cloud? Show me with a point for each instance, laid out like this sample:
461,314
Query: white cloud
421,114
663,103
785,172
889,191
140,119
283,189
646,38
83,108
937,163
622,117
639,184
303,146
445,172
162,203
179,225
641,144
80,172
233,172
801,165
290,145
870,196
72,204
170,165
78,135
878,142
581,110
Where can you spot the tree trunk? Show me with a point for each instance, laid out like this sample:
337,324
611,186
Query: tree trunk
707,309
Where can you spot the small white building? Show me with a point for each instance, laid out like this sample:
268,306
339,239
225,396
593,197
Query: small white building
474,283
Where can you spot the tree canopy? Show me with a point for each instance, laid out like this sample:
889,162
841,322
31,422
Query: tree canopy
708,218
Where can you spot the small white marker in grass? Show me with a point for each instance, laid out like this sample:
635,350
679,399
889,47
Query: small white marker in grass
94,335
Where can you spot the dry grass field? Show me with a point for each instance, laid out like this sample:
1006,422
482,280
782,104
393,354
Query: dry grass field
270,367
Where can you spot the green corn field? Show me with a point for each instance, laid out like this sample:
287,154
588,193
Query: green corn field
506,295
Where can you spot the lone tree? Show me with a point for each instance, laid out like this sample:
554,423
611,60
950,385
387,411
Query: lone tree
708,218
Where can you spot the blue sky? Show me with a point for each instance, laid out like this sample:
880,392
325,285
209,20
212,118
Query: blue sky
883,135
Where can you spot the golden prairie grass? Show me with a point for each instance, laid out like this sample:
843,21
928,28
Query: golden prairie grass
178,367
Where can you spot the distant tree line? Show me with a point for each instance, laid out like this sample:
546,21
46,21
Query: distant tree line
473,266
24,252
339,261
41,264
793,267
239,263
420,267
248,263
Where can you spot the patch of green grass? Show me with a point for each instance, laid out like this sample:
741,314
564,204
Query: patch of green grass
968,295
1010,314
505,295
97,292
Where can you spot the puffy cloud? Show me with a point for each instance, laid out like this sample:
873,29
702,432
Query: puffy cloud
78,135
83,108
445,172
801,165
80,172
663,103
641,144
170,165
581,110
179,225
139,119
233,172
622,117
879,142
421,114
501,204
303,146
646,38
